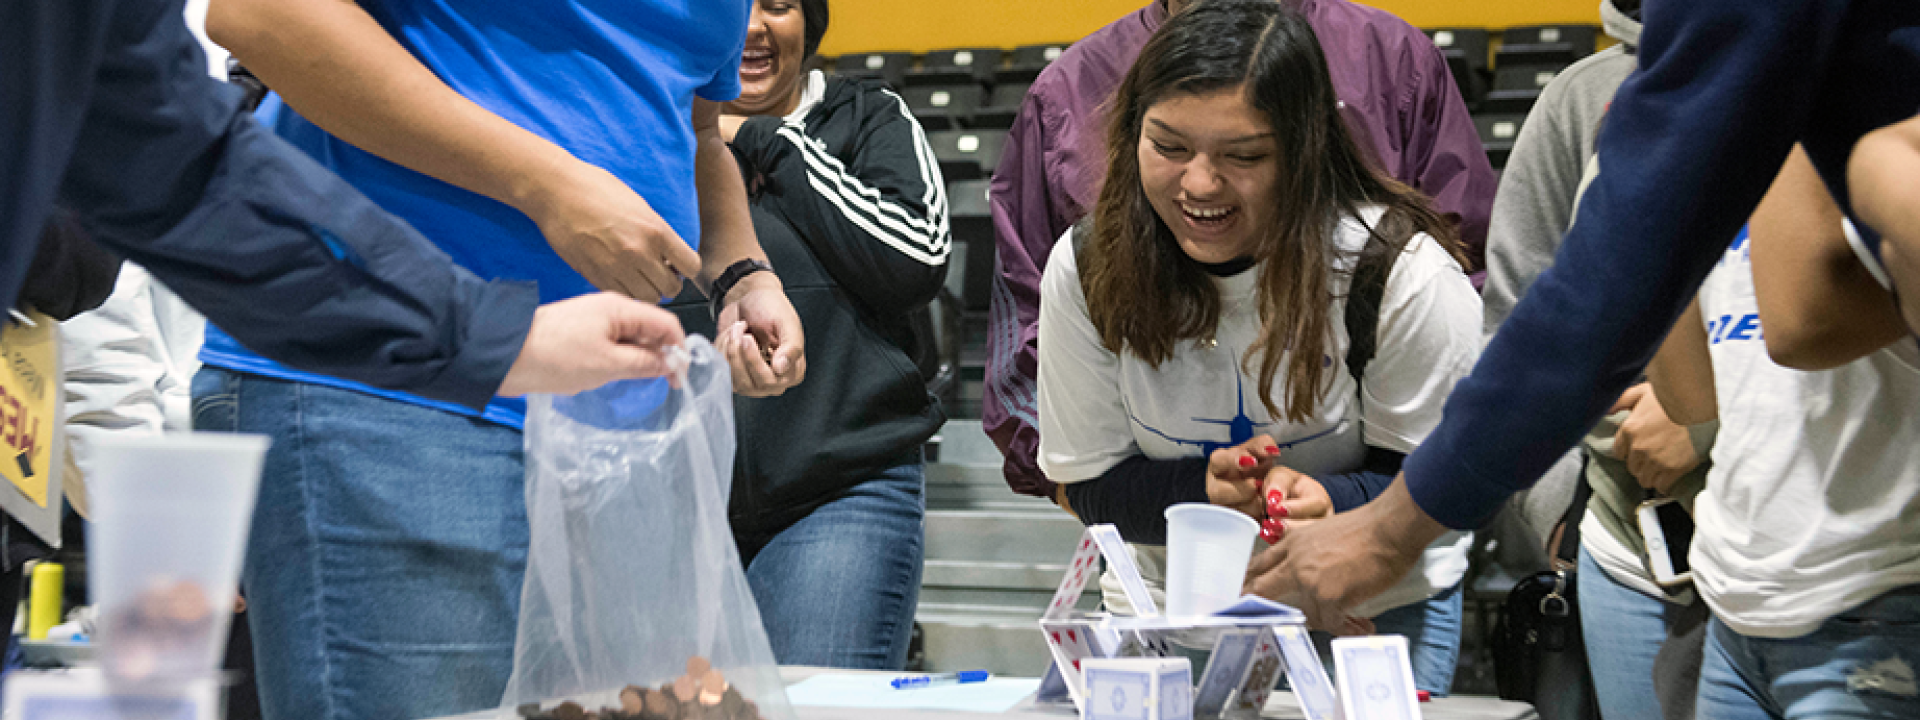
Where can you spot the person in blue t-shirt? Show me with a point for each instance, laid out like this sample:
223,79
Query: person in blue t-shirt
537,141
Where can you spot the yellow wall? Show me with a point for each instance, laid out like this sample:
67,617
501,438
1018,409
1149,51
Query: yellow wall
921,25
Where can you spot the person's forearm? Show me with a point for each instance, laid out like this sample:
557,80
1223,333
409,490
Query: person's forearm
1682,372
1881,178
1719,115
1881,174
726,226
341,70
1135,494
1350,490
1819,305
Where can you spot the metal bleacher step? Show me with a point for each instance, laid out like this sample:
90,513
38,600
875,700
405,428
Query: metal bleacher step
1022,588
993,559
964,442
1001,535
964,637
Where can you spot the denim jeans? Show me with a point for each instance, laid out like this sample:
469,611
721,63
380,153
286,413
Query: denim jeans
1432,628
1858,664
388,546
1623,629
1433,638
839,587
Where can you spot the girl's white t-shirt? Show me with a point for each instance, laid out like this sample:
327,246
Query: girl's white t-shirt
1098,407
1813,504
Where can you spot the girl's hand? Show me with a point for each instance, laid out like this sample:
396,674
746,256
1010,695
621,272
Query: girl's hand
1292,498
1237,475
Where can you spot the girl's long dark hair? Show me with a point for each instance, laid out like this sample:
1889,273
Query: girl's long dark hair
1146,296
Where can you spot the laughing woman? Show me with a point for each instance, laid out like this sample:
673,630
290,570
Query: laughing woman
1194,342
828,500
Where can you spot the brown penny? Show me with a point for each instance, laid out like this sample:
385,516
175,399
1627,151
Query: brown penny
569,711
698,666
633,699
685,688
661,706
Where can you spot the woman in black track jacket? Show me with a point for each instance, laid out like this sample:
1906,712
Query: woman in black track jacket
828,499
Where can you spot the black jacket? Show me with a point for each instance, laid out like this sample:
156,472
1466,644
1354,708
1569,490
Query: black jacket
851,210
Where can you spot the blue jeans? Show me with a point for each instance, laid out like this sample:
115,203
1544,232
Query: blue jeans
1433,638
384,568
1623,629
1432,628
839,587
1858,664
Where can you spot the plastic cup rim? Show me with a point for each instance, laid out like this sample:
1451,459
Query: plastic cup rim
1189,508
190,441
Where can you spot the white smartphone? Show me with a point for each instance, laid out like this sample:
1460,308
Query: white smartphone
1668,529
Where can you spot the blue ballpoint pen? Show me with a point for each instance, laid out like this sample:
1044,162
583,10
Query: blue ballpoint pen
919,681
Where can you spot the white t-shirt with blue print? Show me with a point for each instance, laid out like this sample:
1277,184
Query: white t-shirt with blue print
1813,503
1098,408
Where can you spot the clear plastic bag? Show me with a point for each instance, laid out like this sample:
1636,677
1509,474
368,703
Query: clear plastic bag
632,568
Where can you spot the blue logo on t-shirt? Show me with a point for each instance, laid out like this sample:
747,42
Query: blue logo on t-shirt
1240,427
1729,327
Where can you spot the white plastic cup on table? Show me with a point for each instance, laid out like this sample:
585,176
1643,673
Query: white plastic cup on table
165,546
1208,548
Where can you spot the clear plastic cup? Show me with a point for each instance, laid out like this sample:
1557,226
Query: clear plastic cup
169,531
1208,548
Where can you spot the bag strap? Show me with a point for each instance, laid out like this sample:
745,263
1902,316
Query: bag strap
1364,293
1563,545
1077,235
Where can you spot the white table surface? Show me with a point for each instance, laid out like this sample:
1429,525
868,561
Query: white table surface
1280,707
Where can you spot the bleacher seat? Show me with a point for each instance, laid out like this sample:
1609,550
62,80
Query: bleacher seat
943,107
957,65
1028,61
1000,107
967,154
817,62
1466,52
972,219
1497,134
889,66
1545,44
1515,88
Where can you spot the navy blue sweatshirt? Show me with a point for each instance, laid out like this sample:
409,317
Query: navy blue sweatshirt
106,107
1724,89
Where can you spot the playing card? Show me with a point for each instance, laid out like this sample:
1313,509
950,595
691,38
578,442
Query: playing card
1070,642
1306,674
1121,558
1084,567
1376,678
1263,672
1225,668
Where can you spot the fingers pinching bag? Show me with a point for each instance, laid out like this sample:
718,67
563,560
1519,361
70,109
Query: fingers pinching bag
635,600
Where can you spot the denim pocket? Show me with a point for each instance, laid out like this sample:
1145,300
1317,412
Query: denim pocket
216,400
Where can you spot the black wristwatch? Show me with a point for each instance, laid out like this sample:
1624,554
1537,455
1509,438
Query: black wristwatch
731,277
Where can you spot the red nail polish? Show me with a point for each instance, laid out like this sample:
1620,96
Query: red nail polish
1247,461
1267,534
1279,528
1279,511
1273,449
1425,696
1273,502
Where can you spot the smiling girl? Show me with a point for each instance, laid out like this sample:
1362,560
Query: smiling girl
1193,348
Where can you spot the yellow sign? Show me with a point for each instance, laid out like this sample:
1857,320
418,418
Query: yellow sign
29,398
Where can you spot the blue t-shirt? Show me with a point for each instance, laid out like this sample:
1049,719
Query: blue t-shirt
611,81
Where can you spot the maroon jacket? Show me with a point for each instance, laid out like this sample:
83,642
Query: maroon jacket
1396,93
